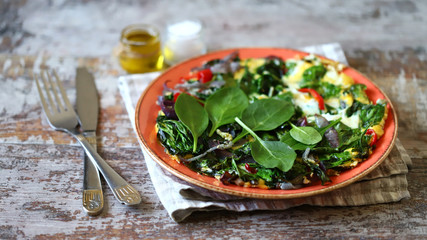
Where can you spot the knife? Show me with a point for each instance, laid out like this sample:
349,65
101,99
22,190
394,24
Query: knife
87,109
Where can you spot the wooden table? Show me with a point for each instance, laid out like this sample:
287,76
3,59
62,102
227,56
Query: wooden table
41,169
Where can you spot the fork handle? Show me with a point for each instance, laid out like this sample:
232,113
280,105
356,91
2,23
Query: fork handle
122,190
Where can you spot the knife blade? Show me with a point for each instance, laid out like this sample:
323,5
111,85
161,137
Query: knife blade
87,109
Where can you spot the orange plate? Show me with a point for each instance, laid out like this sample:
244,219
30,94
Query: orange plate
147,110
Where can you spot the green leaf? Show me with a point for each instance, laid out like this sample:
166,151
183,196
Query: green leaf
270,154
306,135
287,96
192,115
224,105
267,114
294,144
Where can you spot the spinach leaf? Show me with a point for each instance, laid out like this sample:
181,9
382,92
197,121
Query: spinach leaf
227,78
306,135
224,105
294,144
270,154
192,115
267,114
287,96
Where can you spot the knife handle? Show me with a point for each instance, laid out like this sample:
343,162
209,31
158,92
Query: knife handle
93,199
122,190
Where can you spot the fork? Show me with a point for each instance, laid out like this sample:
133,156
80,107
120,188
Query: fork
62,117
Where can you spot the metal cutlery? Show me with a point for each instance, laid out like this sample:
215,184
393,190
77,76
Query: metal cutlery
61,117
87,109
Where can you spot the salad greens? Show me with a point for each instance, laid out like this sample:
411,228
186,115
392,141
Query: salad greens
246,122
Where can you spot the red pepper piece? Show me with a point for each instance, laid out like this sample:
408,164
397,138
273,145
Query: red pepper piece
374,135
205,75
250,169
190,76
316,96
175,96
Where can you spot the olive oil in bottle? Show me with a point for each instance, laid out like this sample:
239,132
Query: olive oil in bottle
141,49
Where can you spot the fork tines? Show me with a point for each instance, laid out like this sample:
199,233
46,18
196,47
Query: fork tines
51,85
57,107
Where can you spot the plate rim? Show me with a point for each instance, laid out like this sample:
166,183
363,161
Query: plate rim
218,188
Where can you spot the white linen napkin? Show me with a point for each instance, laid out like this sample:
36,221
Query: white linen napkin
387,183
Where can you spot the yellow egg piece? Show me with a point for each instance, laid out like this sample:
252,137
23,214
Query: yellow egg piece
345,81
331,77
346,98
378,129
297,72
253,64
333,102
239,73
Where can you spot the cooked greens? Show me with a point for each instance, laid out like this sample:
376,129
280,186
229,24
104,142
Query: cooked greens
174,135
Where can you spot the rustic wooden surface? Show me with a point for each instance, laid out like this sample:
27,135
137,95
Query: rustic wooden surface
41,169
